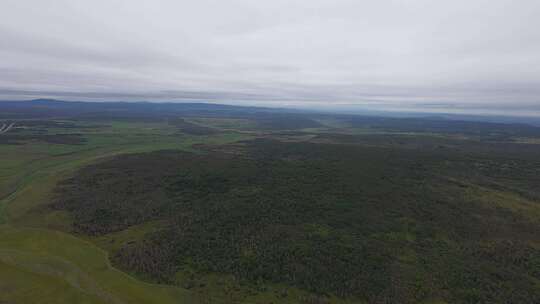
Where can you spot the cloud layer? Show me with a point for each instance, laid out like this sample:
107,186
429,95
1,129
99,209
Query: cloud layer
466,55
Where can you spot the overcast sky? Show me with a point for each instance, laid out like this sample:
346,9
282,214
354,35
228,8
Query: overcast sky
478,56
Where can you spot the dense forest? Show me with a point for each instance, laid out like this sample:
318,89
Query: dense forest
393,220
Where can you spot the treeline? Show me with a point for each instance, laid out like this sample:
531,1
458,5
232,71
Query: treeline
191,128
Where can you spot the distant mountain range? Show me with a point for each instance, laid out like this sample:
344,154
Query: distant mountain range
52,108
49,108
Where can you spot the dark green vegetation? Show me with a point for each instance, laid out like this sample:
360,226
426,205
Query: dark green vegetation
246,205
378,224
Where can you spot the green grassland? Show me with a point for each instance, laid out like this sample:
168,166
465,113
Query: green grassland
74,271
484,204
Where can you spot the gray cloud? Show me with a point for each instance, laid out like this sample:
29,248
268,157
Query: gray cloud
466,55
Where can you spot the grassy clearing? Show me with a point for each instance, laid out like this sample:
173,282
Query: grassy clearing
77,270
113,241
225,123
527,140
508,201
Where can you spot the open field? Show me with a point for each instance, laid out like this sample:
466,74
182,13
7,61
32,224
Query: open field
74,271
